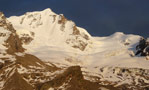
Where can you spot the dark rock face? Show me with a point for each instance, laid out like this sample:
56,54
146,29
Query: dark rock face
26,39
13,43
1,65
143,47
72,79
29,60
16,82
24,73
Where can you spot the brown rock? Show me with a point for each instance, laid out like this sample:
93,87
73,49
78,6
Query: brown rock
75,31
74,79
13,43
30,60
63,20
16,82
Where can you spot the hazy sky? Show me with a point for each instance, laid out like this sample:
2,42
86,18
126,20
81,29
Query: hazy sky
99,17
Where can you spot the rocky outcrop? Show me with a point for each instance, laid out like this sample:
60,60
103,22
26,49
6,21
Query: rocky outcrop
16,82
143,47
13,43
26,71
72,79
122,78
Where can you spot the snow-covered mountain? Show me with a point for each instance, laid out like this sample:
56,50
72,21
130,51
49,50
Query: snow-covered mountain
46,51
50,29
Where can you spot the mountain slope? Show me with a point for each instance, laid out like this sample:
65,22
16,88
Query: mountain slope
53,53
13,59
22,71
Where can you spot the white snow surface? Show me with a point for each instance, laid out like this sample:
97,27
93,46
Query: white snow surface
49,44
4,36
51,89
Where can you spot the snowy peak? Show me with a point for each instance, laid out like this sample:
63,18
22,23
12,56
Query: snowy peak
3,21
35,19
51,29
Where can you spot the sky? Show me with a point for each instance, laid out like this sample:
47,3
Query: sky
98,17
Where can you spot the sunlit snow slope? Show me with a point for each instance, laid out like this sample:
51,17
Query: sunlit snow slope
46,28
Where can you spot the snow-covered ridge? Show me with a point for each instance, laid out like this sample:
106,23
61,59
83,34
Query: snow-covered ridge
47,28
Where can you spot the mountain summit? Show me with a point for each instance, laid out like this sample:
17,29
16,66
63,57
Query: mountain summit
47,28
